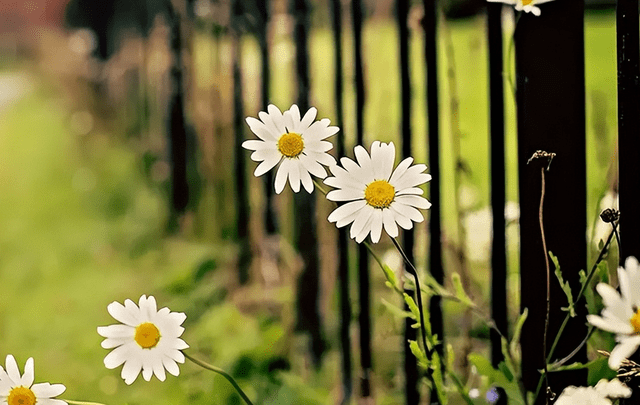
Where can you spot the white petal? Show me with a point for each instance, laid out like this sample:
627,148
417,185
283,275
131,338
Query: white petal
613,389
365,231
383,157
614,303
294,175
27,377
293,122
400,170
268,164
414,201
46,390
281,175
610,324
49,401
261,130
277,118
121,314
256,145
312,166
171,366
364,161
318,146
305,179
346,210
401,219
131,370
119,355
389,222
408,211
361,220
623,350
12,370
345,194
116,331
376,225
308,118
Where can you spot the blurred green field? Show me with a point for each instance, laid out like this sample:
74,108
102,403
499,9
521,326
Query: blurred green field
82,226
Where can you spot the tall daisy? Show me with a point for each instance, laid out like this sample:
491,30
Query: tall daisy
296,143
528,6
377,196
622,312
147,339
20,390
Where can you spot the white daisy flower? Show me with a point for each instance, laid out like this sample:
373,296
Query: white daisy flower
622,312
378,195
146,339
528,6
17,390
598,395
297,144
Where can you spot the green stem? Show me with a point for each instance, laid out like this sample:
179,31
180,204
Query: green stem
320,187
69,401
222,373
580,294
414,273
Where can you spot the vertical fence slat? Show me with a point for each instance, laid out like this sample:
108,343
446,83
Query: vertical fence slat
176,126
308,294
430,26
241,186
412,395
270,215
343,237
628,49
551,117
496,140
364,316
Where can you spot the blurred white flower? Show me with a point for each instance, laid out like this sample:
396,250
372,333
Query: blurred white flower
621,314
528,6
146,339
296,143
598,395
20,390
378,195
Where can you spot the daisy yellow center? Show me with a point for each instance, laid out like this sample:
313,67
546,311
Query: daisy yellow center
291,144
147,335
379,194
635,321
526,2
21,396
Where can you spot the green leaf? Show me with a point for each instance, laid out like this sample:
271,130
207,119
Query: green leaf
412,306
392,280
394,310
564,285
438,378
603,271
419,353
517,330
505,370
459,289
600,244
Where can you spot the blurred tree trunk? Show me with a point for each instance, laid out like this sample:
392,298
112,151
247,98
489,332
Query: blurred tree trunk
343,237
412,395
551,117
306,238
364,300
496,140
241,186
628,45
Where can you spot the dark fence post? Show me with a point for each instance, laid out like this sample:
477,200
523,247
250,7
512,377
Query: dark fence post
496,140
412,395
308,317
628,44
551,117
241,187
343,237
364,316
430,26
270,215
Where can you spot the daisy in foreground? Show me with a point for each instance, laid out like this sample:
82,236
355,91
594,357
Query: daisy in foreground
378,196
20,390
622,312
528,6
598,395
147,339
296,143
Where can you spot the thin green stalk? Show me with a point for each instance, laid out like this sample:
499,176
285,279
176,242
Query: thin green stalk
222,373
414,273
319,185
69,401
579,296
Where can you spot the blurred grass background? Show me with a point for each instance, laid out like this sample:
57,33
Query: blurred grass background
83,208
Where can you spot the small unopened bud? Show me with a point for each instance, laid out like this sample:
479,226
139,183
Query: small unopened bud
610,215
541,154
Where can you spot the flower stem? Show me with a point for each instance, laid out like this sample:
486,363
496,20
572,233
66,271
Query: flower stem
222,373
320,187
546,259
411,268
69,401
